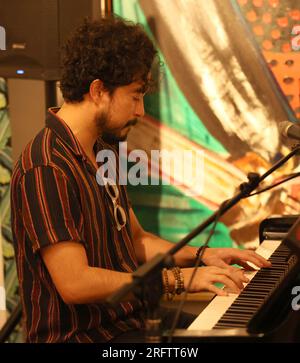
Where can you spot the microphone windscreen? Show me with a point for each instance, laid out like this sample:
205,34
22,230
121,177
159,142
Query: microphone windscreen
283,127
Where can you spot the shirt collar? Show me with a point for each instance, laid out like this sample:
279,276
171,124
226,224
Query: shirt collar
63,131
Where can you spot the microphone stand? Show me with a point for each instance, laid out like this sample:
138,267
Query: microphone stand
147,282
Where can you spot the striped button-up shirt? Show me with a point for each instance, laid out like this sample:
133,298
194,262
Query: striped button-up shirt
55,197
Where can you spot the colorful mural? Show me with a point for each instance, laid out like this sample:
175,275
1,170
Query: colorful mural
273,24
216,95
10,274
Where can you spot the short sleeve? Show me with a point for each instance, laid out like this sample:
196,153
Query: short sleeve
50,209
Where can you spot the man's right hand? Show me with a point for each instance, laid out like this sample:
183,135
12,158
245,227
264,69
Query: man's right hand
205,278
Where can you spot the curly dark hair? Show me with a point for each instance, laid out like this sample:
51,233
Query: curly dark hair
116,51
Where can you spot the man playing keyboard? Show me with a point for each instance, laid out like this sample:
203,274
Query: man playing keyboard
77,241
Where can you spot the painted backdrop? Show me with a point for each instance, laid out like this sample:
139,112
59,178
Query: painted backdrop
218,95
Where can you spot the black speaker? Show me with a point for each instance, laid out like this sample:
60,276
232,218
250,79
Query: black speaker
35,31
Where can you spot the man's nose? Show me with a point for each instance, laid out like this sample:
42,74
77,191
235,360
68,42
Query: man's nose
140,110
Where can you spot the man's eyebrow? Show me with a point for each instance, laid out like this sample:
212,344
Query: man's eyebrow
140,89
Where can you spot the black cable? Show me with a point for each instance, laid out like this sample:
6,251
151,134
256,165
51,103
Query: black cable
292,176
197,264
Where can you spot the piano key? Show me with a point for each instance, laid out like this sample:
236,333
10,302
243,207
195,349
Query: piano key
241,311
244,300
234,318
243,305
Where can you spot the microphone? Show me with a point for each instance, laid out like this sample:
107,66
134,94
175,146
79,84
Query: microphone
289,129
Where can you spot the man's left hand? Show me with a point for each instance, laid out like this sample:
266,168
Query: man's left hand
224,257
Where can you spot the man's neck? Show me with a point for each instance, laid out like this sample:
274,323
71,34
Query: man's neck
80,119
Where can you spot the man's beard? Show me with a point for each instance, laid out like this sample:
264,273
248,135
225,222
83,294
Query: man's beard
112,136
113,139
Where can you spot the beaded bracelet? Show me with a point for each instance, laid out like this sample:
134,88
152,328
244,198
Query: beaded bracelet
167,292
179,282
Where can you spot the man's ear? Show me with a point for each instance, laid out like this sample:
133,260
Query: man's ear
96,90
